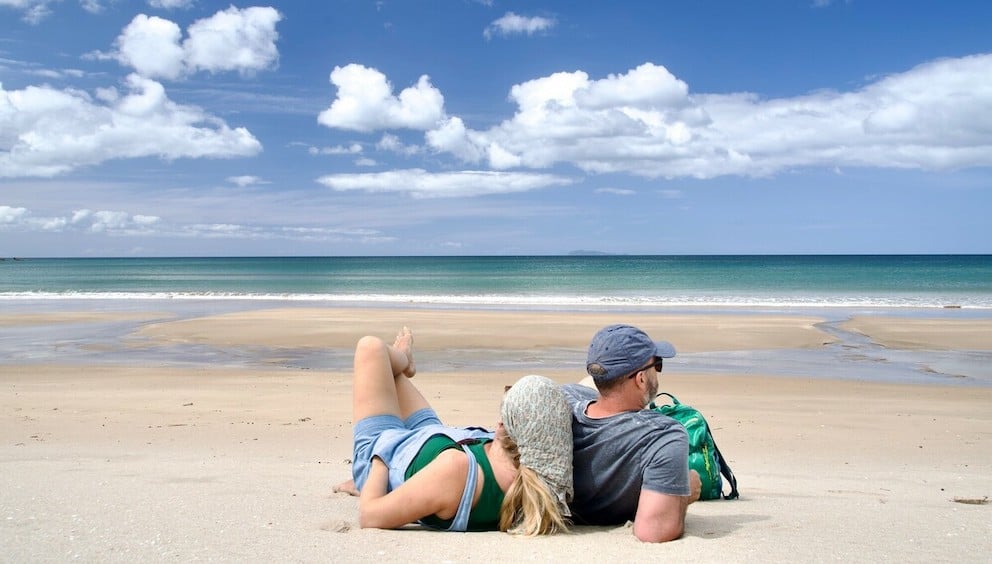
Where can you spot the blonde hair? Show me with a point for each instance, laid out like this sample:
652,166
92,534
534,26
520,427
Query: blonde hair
529,508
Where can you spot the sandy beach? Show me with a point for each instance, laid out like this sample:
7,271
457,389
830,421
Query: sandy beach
154,461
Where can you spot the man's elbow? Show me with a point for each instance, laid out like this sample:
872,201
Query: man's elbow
662,533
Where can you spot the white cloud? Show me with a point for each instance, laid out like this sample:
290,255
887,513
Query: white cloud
87,222
83,220
234,39
365,102
171,4
57,74
230,40
246,180
46,132
145,220
34,10
645,122
353,149
451,136
92,6
616,191
647,87
365,161
11,215
500,158
511,24
422,184
393,144
263,233
150,45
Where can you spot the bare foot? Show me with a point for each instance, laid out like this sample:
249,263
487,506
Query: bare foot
404,344
347,486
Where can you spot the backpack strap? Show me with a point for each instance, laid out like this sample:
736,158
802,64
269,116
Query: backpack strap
675,400
727,473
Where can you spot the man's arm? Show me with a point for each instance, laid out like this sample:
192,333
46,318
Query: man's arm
661,517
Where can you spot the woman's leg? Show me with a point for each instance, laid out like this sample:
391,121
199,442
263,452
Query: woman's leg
381,383
381,387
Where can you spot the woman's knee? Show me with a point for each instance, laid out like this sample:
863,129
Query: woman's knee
369,345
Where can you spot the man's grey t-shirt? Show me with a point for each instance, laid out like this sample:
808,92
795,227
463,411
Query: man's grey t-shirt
616,456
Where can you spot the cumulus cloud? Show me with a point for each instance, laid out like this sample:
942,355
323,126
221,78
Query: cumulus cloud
512,24
45,132
422,184
646,122
151,46
451,136
234,39
9,215
365,102
230,40
82,220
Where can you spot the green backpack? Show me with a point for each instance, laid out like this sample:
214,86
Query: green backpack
704,456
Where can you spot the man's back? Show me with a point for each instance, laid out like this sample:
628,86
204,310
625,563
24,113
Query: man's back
615,456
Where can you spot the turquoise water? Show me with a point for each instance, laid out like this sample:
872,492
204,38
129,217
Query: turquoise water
923,281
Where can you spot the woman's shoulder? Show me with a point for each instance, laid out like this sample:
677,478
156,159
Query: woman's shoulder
451,460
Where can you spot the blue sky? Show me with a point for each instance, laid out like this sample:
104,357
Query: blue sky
468,127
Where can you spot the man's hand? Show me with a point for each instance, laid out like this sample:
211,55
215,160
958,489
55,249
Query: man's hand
695,486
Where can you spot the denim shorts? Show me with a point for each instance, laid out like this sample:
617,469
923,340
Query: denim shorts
369,429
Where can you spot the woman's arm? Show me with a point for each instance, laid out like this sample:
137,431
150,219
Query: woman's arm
435,490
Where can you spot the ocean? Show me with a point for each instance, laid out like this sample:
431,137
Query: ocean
553,282
833,288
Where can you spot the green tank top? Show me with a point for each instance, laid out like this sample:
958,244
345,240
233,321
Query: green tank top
485,515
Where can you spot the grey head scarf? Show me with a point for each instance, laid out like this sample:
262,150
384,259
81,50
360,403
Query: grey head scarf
537,417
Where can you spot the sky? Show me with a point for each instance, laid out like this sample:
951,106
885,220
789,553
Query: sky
489,127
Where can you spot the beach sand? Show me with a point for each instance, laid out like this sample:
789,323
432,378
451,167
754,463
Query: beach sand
110,462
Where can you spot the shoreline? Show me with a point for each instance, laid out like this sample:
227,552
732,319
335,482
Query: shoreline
944,347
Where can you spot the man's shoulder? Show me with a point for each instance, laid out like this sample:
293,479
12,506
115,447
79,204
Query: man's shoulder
575,393
649,419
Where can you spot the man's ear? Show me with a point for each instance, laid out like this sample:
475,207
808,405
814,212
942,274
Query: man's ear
642,380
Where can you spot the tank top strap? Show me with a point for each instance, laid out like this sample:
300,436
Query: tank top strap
460,522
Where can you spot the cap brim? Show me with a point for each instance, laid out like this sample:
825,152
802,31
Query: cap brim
663,349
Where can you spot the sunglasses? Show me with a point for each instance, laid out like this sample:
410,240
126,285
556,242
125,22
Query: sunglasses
656,364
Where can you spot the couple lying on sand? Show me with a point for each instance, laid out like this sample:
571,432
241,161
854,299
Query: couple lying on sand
559,453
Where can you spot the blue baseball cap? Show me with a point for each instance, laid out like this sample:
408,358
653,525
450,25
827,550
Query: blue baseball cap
620,350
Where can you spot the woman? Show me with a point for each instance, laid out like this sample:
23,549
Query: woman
408,467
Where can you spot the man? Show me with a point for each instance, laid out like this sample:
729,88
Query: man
630,463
